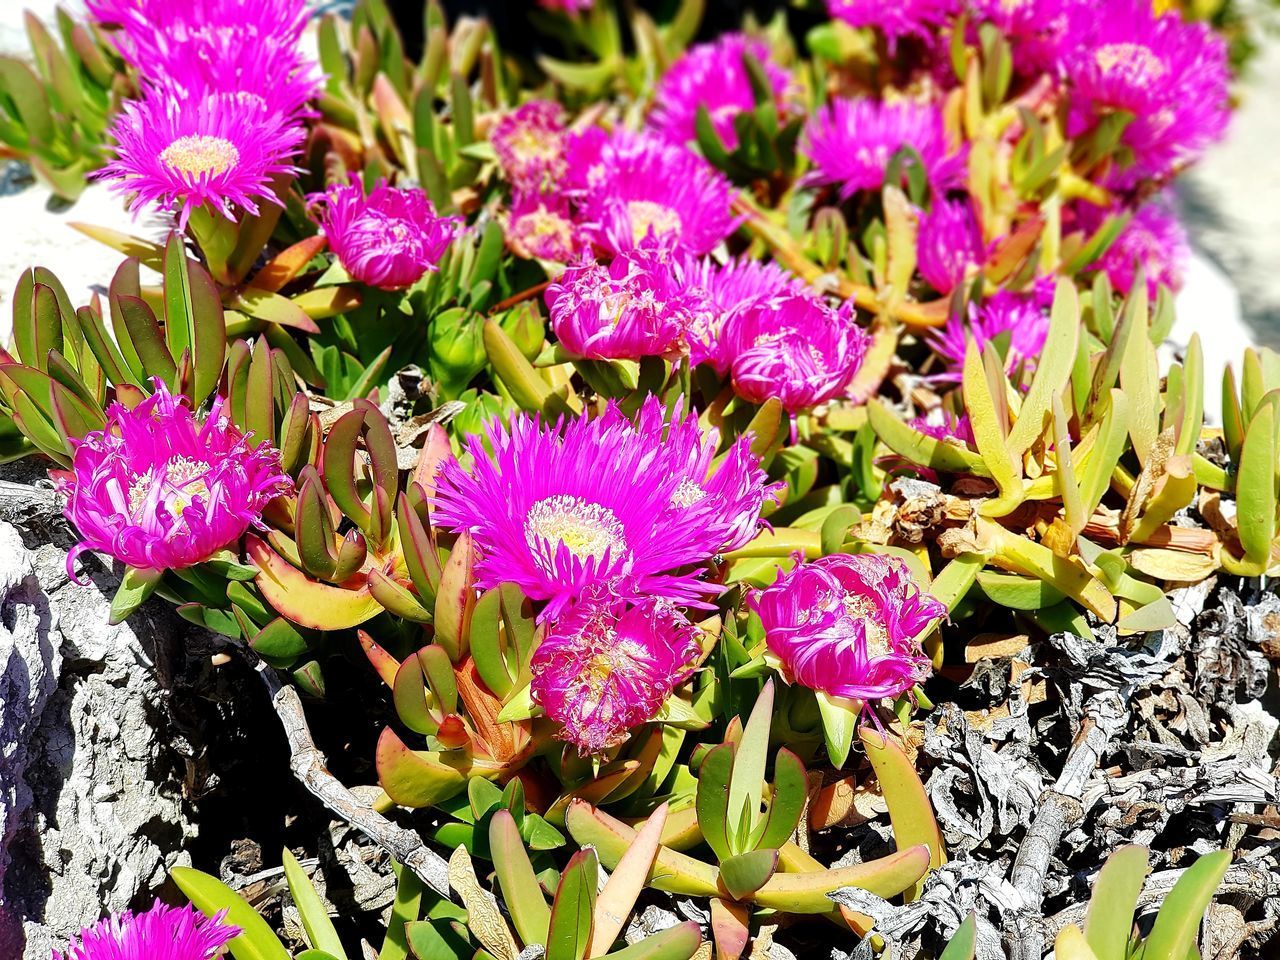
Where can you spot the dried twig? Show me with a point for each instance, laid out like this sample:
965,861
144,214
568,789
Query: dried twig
308,764
1104,716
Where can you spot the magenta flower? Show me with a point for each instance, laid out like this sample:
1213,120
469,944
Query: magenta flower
852,141
605,667
540,226
949,244
388,239
567,6
639,305
944,425
218,150
639,190
894,18
530,144
795,348
1020,320
730,286
582,504
1036,29
1172,76
1154,240
846,625
712,75
161,933
158,490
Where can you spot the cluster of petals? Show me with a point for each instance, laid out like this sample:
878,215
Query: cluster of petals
1153,241
1017,322
847,625
941,424
540,226
896,19
793,347
157,489
530,144
731,286
1035,29
161,933
641,304
389,238
634,507
852,142
713,76
606,666
949,244
1171,76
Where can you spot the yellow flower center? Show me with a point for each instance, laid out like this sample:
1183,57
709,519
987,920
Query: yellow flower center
687,494
587,529
860,608
180,481
199,154
1112,55
645,215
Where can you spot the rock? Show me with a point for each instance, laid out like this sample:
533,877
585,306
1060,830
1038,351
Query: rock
92,808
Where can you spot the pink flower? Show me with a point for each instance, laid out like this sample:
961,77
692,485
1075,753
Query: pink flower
219,150
161,933
530,144
795,348
635,508
605,667
712,75
846,625
729,286
1154,239
388,239
1036,29
851,143
639,305
638,190
1172,76
894,18
567,6
949,244
540,226
158,490
943,425
1020,320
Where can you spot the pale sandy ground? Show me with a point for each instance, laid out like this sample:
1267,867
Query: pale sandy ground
1232,203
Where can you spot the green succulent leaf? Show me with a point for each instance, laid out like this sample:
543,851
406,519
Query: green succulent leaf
210,895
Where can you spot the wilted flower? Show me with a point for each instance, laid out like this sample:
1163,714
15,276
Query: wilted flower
1018,320
712,75
846,625
540,226
388,239
639,305
852,141
795,348
560,509
161,933
949,244
1153,240
894,18
642,191
160,491
1172,76
530,142
729,286
605,667
218,150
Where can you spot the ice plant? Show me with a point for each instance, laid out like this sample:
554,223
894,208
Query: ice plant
896,19
731,285
387,239
1170,76
852,141
1035,29
159,490
218,150
847,625
540,226
530,142
949,244
795,348
643,191
560,509
161,933
712,75
942,425
1153,240
1017,322
639,305
606,666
